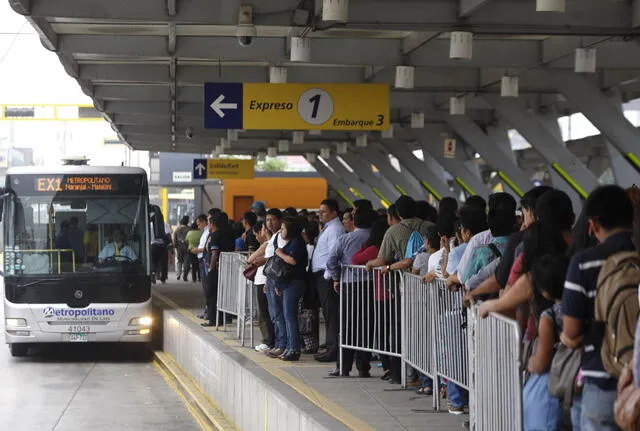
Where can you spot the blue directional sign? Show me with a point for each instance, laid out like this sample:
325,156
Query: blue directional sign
199,169
222,106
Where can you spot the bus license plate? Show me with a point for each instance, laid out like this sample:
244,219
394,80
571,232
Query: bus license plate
78,338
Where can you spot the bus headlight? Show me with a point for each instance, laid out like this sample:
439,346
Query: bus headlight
141,321
15,323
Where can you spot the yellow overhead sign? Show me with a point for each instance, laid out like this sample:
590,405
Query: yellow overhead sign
315,106
224,169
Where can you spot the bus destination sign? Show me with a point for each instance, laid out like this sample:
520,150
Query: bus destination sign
74,183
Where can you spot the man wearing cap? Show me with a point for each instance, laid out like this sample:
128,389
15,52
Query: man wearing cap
260,210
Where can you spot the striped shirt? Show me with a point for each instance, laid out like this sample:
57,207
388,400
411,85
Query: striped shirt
578,300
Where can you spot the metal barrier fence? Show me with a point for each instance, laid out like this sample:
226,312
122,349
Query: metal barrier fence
496,380
370,311
419,323
424,324
235,293
438,337
451,333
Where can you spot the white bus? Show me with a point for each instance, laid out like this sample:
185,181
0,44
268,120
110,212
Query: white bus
76,255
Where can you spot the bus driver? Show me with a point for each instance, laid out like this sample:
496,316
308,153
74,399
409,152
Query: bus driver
117,248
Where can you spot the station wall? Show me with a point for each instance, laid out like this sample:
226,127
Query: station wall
275,192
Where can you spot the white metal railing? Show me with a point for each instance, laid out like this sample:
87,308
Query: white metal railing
235,293
451,333
370,311
438,337
419,323
425,324
496,379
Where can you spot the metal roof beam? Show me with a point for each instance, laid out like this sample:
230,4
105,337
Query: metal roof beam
102,73
513,54
467,7
269,50
585,17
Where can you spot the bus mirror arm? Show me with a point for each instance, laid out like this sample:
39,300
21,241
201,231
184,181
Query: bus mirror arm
5,193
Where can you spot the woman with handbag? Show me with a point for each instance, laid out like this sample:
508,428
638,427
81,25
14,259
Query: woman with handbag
542,410
291,283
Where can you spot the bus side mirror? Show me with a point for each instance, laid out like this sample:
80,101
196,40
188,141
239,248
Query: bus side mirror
4,194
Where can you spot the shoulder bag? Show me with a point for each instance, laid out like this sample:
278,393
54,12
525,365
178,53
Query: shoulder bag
250,271
276,268
562,375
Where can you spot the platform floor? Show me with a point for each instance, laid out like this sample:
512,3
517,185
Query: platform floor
359,403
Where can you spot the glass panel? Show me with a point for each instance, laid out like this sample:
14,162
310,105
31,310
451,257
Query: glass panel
57,234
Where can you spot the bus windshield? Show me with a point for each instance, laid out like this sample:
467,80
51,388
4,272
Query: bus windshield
70,231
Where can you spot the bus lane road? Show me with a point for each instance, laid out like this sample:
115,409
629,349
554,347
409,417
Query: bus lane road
79,386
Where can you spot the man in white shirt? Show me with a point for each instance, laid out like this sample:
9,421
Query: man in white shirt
321,279
201,222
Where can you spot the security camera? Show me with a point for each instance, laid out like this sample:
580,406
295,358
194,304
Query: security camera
246,30
245,34
189,133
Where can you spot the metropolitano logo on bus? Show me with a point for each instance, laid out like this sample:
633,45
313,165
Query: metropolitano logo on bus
70,314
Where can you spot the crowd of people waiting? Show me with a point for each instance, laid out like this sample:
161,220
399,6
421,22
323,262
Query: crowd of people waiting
571,283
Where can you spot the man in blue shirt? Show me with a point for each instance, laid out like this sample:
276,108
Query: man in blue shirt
501,220
341,254
610,214
329,299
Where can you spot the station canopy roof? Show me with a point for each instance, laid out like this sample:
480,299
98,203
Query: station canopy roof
144,62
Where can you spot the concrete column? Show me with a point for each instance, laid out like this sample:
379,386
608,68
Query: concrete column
197,200
335,182
433,147
380,186
436,185
499,134
604,114
623,171
550,122
403,180
499,160
581,179
355,184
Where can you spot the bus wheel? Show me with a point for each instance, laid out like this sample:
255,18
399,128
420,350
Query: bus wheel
19,350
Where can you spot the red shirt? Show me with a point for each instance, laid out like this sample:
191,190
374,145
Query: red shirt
361,258
364,255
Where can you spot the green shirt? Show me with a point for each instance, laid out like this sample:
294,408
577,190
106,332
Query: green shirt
193,238
397,236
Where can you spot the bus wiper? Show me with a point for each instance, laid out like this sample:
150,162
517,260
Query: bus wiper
33,283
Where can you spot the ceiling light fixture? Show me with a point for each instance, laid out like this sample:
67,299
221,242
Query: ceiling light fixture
457,105
300,49
277,75
550,5
461,45
509,86
405,77
335,10
585,61
417,120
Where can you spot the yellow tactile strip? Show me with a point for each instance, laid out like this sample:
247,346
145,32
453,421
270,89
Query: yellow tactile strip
326,404
205,412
